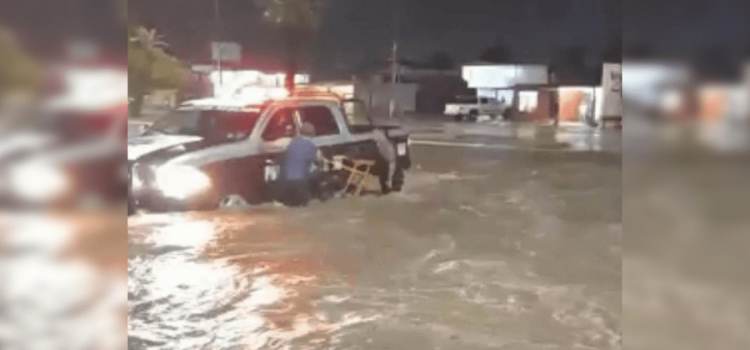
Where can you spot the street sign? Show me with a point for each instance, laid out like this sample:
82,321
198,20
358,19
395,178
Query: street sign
82,50
226,51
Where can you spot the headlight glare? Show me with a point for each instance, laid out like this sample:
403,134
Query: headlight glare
38,182
181,182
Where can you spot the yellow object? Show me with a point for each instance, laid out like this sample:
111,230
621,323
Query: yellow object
360,176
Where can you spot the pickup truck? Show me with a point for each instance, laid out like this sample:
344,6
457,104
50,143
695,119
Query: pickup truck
204,157
470,108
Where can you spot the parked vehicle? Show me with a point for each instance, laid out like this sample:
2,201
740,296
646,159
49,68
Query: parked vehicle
470,108
201,157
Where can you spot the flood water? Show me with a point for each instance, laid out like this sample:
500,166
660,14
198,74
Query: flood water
484,249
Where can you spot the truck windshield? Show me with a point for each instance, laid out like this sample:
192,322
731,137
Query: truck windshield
209,124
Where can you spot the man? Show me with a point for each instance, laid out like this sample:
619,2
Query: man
299,168
388,152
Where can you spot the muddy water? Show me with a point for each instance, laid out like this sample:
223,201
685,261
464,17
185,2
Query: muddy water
63,281
483,250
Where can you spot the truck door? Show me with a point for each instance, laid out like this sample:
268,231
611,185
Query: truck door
275,138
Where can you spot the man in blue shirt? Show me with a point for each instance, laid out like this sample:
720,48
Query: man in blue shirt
299,167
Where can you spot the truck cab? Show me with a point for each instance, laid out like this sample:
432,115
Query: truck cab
197,157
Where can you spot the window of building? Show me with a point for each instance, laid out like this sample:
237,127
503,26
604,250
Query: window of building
528,101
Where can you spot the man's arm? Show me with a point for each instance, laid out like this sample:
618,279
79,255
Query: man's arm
319,157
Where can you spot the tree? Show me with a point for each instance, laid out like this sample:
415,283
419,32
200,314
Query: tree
569,64
149,67
441,60
497,54
298,19
570,57
18,71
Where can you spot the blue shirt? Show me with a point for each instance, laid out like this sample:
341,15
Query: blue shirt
299,159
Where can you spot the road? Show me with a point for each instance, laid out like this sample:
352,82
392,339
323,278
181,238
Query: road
508,238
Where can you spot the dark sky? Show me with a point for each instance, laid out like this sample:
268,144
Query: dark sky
354,33
680,27
45,25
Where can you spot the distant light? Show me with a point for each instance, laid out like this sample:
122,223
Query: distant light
251,86
91,89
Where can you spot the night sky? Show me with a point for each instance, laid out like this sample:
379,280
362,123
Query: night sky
355,35
681,27
44,25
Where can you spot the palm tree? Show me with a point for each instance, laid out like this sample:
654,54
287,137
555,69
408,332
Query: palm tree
298,19
149,67
18,70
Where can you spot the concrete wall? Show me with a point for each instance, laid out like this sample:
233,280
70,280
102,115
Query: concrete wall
377,97
543,110
505,76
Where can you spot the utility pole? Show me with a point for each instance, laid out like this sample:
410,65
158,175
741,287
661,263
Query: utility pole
394,62
217,44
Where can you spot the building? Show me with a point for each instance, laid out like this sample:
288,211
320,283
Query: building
537,93
375,94
525,87
434,87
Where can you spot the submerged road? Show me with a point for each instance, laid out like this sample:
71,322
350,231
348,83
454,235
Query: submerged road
496,242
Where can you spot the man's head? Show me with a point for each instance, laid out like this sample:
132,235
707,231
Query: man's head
307,129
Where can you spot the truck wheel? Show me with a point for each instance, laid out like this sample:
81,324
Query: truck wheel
397,182
232,202
459,118
473,116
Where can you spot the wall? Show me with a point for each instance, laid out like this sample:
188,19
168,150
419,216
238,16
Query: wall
543,110
611,93
435,92
377,97
505,76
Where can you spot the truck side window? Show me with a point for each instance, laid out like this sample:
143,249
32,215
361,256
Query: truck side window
281,125
322,119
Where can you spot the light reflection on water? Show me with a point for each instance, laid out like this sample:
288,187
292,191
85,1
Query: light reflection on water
471,256
223,284
61,286
186,293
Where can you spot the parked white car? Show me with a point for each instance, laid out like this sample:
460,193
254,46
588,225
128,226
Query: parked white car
471,107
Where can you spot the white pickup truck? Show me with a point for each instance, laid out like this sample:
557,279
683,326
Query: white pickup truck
200,157
471,107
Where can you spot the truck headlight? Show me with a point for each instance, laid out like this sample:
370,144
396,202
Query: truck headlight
181,182
38,182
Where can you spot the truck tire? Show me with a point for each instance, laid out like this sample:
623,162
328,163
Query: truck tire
398,180
458,117
473,115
